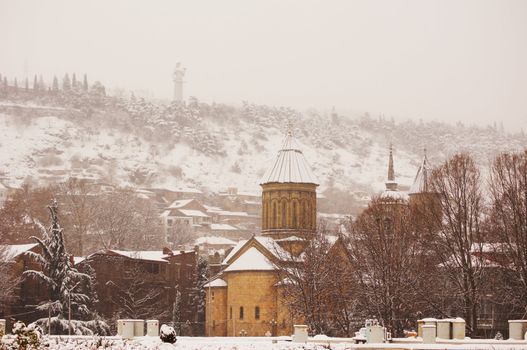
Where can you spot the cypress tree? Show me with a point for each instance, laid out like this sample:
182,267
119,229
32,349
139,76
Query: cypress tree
55,84
85,83
66,83
26,85
73,81
16,85
41,84
35,84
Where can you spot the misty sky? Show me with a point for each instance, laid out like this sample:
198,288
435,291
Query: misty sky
448,60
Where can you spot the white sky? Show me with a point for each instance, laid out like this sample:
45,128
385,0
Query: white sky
448,60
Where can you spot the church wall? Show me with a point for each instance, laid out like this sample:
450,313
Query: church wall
251,289
216,312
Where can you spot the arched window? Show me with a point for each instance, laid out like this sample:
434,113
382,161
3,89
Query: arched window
294,215
241,312
274,217
284,213
257,313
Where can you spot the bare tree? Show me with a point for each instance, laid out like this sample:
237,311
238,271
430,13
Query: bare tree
316,284
125,221
135,296
80,208
459,238
180,234
508,188
390,264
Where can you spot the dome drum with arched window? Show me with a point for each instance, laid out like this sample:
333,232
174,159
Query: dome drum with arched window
289,200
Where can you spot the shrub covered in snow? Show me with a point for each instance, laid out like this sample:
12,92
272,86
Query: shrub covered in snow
168,334
25,337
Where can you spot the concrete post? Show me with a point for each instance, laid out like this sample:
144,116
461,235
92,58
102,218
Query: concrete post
443,329
139,328
429,334
2,326
458,328
300,335
152,328
420,324
374,334
127,329
430,322
120,327
517,329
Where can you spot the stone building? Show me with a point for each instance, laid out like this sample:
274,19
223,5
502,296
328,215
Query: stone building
245,298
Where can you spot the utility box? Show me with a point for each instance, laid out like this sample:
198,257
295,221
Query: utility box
458,328
517,329
139,328
2,325
443,329
152,328
300,335
374,334
126,328
429,334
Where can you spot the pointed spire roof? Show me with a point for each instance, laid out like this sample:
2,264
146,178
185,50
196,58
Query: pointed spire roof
290,165
420,184
391,184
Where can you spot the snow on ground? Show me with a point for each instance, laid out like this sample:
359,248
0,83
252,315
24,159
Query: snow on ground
264,343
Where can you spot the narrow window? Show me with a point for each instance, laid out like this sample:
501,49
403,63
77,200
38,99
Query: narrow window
212,296
230,313
257,313
241,312
274,218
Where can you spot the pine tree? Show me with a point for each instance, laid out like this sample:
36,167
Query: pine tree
26,85
85,83
198,292
55,87
5,84
176,312
74,81
58,273
66,83
16,85
35,84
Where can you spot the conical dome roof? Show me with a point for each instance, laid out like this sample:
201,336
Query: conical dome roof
290,165
420,184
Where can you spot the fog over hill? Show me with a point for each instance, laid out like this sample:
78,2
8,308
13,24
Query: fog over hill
47,137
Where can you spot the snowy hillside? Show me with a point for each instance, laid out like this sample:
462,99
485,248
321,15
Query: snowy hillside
139,143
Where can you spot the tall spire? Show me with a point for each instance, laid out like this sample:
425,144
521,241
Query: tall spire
420,184
391,185
391,173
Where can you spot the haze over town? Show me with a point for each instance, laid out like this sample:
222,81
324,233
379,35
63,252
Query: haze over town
447,60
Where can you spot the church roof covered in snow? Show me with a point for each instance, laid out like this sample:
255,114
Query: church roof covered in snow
218,282
290,165
10,252
420,184
251,260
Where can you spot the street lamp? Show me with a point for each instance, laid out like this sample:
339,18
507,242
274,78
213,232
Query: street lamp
69,306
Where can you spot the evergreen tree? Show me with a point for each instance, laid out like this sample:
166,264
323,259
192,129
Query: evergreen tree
5,84
74,81
57,272
35,84
66,83
85,83
198,292
55,87
16,85
26,85
41,85
176,312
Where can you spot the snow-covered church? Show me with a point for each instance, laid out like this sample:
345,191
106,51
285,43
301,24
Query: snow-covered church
245,298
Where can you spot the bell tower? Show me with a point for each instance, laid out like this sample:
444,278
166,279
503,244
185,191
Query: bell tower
289,199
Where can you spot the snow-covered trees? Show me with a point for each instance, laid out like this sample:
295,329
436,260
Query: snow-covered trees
8,282
508,221
176,312
57,272
459,238
198,291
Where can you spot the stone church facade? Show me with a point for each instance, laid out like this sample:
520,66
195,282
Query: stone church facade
245,297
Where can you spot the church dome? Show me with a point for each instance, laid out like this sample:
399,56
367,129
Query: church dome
290,165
